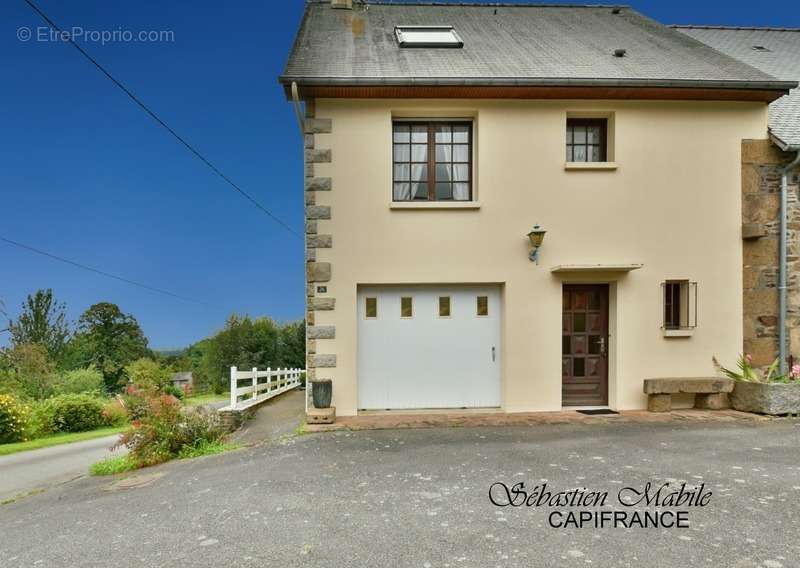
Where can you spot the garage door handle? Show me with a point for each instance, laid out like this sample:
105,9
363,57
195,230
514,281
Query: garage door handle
493,352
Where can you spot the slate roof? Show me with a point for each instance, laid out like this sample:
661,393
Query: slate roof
507,44
782,61
182,377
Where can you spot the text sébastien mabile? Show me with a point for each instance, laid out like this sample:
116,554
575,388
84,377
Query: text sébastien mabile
649,506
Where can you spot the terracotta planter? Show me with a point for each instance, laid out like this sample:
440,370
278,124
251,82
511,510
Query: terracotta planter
766,398
321,392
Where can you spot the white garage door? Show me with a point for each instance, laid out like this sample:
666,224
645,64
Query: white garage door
428,347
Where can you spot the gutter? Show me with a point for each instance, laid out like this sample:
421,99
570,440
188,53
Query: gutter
783,269
287,80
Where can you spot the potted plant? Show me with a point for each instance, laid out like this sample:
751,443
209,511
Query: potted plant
321,392
766,392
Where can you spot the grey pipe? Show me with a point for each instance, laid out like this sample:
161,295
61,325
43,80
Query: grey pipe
783,269
298,113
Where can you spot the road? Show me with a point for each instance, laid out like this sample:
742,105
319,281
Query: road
38,469
419,498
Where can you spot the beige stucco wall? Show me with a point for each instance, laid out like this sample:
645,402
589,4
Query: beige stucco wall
673,204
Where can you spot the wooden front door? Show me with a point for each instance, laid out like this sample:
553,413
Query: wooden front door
584,345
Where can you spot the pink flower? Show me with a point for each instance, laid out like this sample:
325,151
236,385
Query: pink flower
795,372
748,358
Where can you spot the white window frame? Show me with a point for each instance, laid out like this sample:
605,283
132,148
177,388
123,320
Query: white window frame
406,39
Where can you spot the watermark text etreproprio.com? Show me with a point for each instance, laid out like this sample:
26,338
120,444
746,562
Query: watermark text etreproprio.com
78,34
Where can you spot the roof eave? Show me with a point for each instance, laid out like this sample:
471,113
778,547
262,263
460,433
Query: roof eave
536,81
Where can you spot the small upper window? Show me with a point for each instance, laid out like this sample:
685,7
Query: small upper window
444,306
427,36
586,139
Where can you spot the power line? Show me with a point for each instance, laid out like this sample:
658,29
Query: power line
101,272
155,117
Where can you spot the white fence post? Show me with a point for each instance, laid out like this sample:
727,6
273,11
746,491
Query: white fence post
269,379
255,381
234,384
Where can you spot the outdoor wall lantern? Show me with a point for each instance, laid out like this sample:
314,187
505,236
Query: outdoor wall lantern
536,237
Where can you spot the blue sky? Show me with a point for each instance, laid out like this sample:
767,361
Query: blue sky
88,176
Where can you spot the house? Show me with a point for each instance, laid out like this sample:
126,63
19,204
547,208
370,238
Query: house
438,135
183,381
777,52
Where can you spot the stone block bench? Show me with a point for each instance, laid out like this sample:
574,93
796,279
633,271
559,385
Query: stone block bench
710,393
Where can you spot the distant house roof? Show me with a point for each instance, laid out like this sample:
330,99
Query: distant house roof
773,50
185,377
508,45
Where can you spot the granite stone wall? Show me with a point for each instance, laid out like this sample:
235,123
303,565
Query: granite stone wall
762,163
317,273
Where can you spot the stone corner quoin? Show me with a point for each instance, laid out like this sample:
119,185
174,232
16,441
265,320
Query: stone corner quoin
317,237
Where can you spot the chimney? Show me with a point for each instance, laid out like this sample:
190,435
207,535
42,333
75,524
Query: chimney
343,4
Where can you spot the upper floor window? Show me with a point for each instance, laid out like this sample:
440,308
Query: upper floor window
432,161
587,139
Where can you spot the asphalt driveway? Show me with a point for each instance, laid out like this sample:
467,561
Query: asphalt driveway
420,498
35,470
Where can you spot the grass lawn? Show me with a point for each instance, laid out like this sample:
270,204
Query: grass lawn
120,464
58,439
201,399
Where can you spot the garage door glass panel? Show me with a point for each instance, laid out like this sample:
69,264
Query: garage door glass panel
483,305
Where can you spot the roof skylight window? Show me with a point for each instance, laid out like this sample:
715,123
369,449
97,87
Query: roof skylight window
760,48
427,36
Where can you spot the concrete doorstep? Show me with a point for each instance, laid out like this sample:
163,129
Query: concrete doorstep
392,420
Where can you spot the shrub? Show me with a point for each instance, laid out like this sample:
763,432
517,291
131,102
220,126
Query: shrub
40,423
72,413
114,412
135,402
172,390
167,428
79,381
13,419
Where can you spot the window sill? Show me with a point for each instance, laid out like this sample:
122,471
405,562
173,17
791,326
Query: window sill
590,166
435,205
678,332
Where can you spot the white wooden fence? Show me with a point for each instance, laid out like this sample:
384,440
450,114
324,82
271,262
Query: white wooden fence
261,385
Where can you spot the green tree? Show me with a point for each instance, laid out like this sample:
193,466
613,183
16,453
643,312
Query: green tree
3,327
246,343
78,381
292,344
29,371
43,321
148,374
243,343
109,340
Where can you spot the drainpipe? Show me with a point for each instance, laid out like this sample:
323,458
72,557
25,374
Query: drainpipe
298,112
782,271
